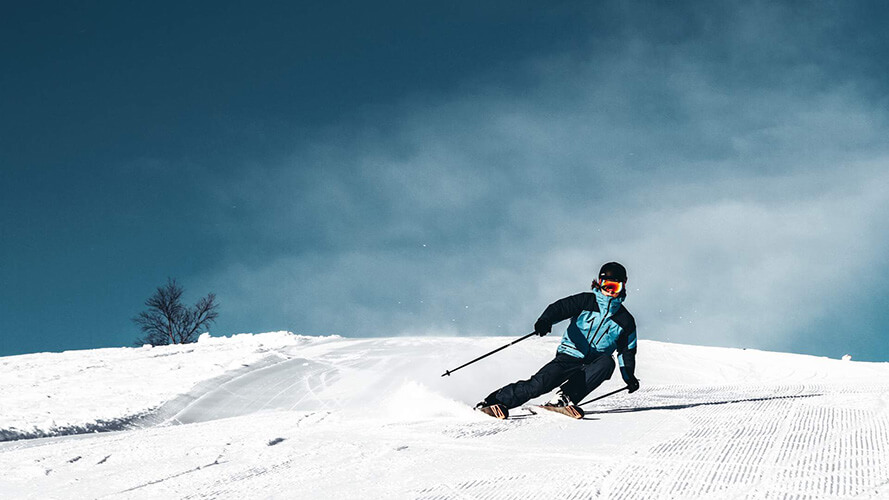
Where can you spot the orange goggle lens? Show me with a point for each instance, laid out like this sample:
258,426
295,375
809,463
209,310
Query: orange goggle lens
611,287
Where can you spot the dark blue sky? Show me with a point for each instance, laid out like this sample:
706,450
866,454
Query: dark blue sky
421,168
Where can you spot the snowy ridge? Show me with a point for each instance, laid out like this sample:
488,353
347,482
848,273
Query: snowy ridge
326,417
44,394
147,418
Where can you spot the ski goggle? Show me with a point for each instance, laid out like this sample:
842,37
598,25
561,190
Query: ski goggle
611,287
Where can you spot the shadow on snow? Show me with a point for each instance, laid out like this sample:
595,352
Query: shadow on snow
694,405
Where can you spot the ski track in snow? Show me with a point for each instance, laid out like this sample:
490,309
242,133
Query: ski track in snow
372,419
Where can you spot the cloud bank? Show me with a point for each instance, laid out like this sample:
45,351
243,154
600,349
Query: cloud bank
737,175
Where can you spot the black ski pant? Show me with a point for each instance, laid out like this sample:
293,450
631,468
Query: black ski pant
577,376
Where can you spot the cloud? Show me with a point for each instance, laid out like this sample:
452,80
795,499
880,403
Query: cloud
759,268
732,205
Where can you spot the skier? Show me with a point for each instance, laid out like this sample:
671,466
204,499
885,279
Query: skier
599,326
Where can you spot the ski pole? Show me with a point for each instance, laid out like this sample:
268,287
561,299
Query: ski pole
604,396
448,372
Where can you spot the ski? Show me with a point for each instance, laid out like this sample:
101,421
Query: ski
502,413
572,411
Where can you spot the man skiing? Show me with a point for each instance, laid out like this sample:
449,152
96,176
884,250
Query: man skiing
599,326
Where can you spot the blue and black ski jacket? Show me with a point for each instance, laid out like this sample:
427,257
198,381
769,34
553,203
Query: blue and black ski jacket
599,325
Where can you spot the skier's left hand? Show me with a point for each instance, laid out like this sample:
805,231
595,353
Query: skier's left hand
632,384
542,327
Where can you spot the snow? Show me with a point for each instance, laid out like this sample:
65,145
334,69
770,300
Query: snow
44,392
278,415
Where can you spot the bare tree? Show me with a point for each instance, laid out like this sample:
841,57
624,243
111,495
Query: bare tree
168,321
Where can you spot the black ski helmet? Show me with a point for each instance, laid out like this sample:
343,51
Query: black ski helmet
613,271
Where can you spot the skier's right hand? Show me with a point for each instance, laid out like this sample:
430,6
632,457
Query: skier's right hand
632,384
542,327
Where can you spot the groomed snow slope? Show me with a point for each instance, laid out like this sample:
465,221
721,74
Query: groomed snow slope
279,415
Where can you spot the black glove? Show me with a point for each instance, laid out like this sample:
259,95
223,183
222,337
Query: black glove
632,384
542,327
